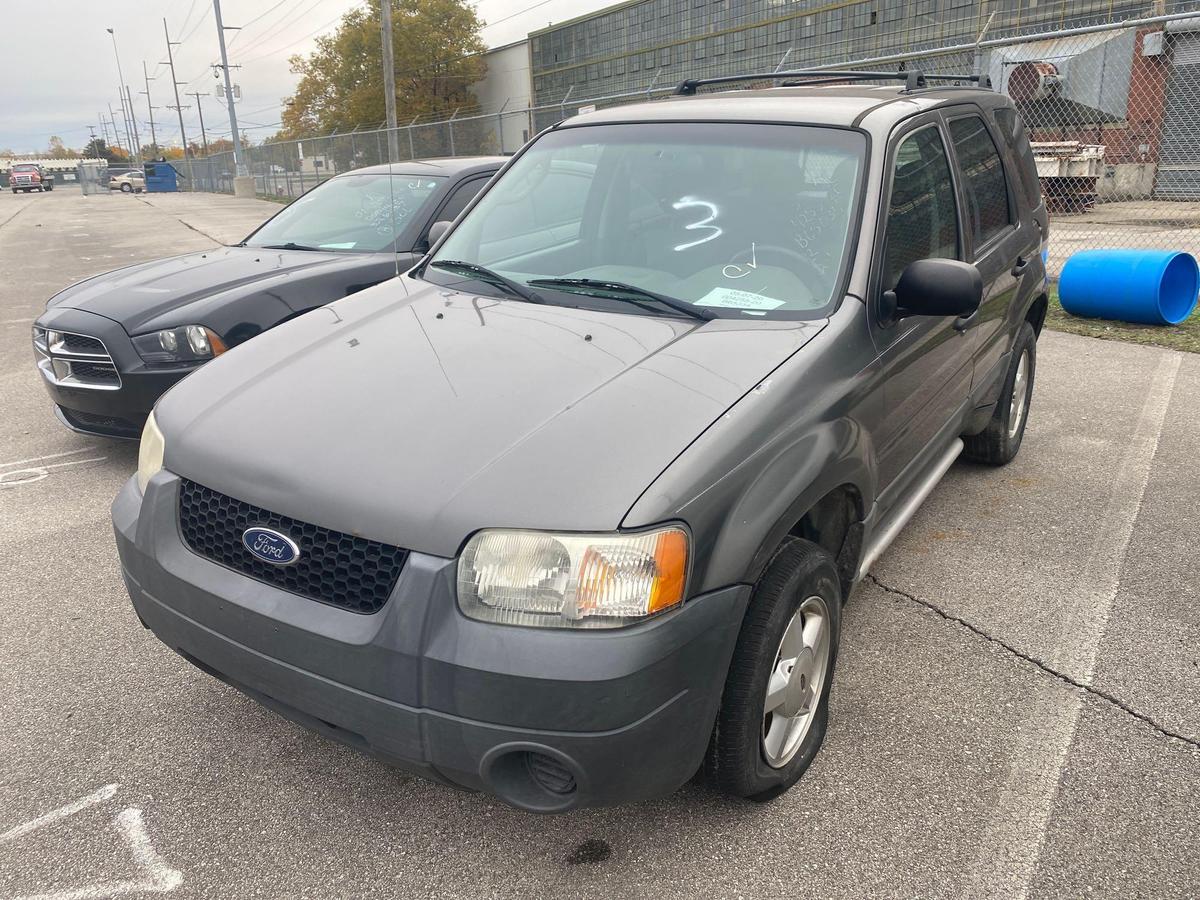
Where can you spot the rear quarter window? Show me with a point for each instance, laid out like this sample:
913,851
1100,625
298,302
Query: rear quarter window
1016,135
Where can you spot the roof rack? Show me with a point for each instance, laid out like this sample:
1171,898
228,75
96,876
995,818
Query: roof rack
913,78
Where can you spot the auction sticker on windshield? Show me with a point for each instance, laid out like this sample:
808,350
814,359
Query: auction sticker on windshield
729,298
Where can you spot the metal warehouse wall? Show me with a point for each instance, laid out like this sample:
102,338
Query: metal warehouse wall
644,43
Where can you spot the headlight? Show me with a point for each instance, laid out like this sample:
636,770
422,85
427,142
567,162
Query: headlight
572,580
150,453
188,343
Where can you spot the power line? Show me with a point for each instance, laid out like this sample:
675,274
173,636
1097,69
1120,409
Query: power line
257,18
275,32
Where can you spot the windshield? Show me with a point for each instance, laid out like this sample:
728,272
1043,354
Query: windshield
738,220
25,168
352,212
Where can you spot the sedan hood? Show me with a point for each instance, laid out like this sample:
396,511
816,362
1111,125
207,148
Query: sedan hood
179,290
414,415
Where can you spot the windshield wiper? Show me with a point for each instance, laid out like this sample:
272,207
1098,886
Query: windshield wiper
487,276
627,292
291,245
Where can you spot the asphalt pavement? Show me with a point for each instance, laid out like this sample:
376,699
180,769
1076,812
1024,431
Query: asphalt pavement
1016,711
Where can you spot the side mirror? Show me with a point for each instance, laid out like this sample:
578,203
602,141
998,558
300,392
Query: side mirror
436,230
934,287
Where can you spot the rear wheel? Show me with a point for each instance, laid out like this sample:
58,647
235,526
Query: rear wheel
775,706
1000,441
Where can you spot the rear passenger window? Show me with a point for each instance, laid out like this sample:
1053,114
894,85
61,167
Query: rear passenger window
1013,129
983,178
922,217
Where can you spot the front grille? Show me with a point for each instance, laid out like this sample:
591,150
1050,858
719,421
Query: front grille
94,373
81,343
333,567
75,360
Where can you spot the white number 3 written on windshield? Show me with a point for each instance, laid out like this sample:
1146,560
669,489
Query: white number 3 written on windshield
713,231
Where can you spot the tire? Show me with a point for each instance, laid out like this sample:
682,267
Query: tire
753,753
127,188
1000,441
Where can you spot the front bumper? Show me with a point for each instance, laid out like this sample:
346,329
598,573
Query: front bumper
626,713
116,413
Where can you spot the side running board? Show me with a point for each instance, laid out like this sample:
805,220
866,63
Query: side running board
905,511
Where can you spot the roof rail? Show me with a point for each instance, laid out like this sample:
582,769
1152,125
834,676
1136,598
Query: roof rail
913,78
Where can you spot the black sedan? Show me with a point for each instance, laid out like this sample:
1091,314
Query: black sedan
110,345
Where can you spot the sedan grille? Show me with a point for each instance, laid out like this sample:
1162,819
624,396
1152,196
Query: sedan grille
75,360
340,569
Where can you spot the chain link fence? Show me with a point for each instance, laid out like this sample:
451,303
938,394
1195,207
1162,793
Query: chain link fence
1113,112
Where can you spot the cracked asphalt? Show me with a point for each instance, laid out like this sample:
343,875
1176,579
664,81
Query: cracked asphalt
1016,711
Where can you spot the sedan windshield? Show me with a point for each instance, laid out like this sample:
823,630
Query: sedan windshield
729,220
363,213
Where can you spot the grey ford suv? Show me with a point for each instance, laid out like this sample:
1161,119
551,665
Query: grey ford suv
568,512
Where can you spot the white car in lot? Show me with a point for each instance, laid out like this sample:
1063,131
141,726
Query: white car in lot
130,182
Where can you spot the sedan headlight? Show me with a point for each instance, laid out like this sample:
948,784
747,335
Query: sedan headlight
150,453
188,343
572,580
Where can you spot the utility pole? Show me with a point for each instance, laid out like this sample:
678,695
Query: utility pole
149,106
389,76
103,127
92,142
116,133
239,159
137,140
177,107
125,123
200,110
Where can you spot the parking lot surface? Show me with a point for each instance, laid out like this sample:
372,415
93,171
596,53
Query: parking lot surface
1016,710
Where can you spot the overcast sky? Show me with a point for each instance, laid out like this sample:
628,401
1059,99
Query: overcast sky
59,78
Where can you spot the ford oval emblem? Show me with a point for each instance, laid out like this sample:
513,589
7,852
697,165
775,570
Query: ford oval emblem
270,546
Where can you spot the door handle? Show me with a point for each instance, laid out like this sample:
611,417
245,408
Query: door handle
1019,269
963,322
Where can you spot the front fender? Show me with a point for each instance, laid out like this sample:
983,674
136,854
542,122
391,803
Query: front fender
749,478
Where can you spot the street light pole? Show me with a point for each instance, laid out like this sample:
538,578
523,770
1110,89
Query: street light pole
132,138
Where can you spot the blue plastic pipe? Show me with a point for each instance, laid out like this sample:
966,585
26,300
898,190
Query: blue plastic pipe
1150,287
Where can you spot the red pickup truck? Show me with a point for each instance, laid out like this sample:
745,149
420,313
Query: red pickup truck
30,177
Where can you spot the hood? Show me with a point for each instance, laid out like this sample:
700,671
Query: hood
414,415
182,290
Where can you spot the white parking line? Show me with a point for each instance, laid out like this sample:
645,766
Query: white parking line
155,877
97,796
37,473
33,459
1011,848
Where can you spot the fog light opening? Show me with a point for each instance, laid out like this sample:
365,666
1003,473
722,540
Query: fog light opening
550,774
529,778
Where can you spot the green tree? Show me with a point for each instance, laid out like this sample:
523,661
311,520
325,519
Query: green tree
438,56
96,148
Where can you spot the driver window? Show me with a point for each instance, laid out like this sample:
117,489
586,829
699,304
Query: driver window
922,217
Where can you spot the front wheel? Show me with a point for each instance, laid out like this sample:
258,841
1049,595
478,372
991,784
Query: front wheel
775,706
1000,441
127,188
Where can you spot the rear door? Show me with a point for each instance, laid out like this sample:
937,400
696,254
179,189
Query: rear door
926,360
1002,246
